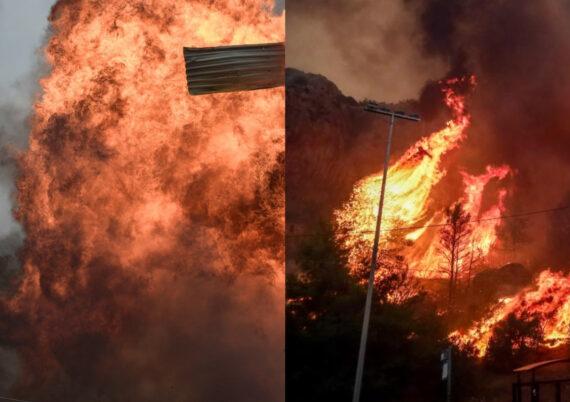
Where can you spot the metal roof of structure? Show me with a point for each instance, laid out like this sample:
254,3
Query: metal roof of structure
234,68
535,366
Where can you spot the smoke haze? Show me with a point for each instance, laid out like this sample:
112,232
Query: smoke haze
369,49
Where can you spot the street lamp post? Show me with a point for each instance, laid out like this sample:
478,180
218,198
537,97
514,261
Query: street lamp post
375,108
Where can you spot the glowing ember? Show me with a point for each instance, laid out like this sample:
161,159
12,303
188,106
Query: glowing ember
548,298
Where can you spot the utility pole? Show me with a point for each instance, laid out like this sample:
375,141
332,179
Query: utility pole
375,108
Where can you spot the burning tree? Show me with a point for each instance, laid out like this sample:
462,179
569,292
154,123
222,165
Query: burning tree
454,245
394,281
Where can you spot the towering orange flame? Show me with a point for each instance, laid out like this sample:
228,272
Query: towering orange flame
426,262
411,180
484,232
409,185
132,190
548,298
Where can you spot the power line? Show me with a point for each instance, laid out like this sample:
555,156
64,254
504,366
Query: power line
437,225
522,214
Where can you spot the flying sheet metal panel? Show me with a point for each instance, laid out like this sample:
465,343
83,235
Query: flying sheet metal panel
234,68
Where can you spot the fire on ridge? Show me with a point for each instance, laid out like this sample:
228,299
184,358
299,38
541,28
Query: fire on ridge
411,180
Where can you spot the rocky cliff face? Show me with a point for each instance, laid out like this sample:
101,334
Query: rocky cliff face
331,142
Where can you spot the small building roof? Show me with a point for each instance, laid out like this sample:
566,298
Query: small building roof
535,366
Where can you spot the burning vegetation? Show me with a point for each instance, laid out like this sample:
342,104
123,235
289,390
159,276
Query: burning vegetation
547,300
476,209
466,233
153,219
409,201
447,243
445,274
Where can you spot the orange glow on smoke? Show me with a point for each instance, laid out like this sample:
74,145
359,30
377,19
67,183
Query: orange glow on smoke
549,298
128,176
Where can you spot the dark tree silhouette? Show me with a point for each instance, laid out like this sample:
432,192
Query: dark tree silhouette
324,318
454,245
475,259
513,341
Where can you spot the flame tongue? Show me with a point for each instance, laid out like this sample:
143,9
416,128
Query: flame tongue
548,299
131,189
409,186
411,180
484,233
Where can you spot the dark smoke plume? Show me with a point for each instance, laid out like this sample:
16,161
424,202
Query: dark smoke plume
519,52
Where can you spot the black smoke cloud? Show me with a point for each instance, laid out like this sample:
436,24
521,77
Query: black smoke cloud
519,52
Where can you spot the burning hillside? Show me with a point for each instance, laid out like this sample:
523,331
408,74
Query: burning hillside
153,219
331,143
507,168
409,208
332,173
548,299
409,201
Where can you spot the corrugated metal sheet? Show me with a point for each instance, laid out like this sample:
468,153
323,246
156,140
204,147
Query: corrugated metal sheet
234,68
